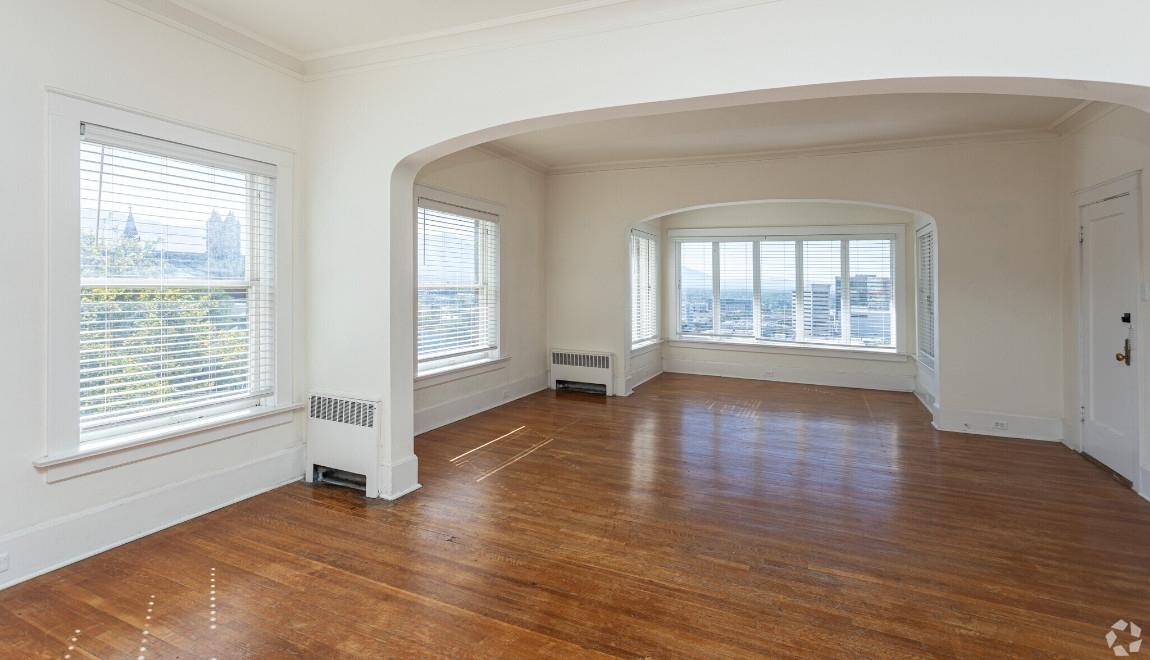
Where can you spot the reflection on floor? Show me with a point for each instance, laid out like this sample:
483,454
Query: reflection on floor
702,517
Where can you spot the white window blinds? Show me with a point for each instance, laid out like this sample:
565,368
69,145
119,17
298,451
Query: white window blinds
806,290
925,295
644,287
177,290
458,290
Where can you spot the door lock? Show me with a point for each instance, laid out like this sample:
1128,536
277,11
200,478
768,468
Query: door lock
1124,356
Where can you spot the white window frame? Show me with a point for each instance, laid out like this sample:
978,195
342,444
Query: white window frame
495,358
929,360
644,342
897,233
65,455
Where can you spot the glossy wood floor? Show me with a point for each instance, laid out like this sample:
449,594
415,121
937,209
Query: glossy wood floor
701,517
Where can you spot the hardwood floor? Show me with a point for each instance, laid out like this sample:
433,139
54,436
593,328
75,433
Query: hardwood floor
701,517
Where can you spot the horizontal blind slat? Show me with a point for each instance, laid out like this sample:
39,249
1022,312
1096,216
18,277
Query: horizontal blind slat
177,297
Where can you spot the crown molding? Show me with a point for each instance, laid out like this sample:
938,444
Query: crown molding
564,22
1018,135
1081,116
176,16
561,10
517,157
584,18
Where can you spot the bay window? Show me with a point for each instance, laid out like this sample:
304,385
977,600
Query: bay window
833,287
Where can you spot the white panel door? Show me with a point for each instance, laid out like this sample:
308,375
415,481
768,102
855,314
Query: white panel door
1110,295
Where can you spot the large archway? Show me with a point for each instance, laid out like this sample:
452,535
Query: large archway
396,316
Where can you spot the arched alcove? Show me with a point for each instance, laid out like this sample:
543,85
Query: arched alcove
397,311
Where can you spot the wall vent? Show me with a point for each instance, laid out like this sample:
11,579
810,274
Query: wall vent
343,411
572,368
573,359
343,438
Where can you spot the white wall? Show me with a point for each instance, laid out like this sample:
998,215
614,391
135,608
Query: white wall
480,174
891,372
999,259
101,50
1113,145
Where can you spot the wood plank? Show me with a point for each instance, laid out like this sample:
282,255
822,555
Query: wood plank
700,517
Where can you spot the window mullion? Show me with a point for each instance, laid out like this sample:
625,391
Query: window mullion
800,296
757,293
715,285
844,294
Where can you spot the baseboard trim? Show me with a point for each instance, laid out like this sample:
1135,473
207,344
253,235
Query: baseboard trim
927,401
56,543
399,478
447,412
983,422
635,380
861,380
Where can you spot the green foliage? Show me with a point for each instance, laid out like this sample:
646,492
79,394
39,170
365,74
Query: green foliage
143,345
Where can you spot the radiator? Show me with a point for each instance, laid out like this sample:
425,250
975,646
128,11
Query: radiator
343,435
582,367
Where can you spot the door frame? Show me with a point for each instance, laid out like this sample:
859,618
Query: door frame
1129,183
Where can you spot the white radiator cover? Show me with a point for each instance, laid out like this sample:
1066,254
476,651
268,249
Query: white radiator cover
344,433
582,367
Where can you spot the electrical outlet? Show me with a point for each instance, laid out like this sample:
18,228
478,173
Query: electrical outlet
1001,426
3,562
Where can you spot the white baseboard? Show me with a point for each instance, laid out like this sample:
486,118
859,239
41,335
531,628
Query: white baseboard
399,478
870,381
636,379
983,422
55,543
475,403
926,399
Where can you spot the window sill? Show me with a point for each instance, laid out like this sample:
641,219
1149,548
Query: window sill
646,347
102,455
458,371
854,353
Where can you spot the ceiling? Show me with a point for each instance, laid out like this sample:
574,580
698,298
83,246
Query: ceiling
785,126
308,29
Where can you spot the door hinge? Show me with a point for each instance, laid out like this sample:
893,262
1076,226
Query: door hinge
1082,417
1081,235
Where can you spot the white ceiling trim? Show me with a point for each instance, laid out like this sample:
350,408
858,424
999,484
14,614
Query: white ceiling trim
578,19
1015,135
214,32
561,10
539,29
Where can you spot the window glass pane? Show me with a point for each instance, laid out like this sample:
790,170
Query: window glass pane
176,281
871,292
644,277
736,288
777,286
822,297
695,291
925,298
458,286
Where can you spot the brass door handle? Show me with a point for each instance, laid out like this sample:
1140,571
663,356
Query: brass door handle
1124,356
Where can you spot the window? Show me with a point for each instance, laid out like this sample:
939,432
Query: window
644,288
793,288
176,281
458,285
169,287
925,298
